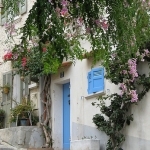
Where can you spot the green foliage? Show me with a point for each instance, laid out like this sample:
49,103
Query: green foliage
21,110
127,29
27,61
2,112
2,118
35,119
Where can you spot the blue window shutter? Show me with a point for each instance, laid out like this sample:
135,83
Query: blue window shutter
97,79
89,82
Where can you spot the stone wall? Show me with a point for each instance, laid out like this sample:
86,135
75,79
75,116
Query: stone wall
23,136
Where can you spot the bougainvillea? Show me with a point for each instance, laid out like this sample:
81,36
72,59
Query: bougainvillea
115,30
8,56
115,116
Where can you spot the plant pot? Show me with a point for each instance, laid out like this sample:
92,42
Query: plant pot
22,78
6,90
23,122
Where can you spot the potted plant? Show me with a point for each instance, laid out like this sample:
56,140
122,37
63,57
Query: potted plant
5,88
21,113
2,117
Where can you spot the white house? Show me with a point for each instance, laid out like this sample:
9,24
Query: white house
73,89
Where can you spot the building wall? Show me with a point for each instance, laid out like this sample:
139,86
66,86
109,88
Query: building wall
138,133
19,22
7,66
82,111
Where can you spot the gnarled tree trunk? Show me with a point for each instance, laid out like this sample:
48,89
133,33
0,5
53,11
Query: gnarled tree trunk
46,120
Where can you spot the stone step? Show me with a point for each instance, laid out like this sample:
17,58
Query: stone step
3,147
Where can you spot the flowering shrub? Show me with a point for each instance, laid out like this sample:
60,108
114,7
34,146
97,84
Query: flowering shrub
28,62
8,56
123,72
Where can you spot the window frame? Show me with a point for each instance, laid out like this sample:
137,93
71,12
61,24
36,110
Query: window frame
22,10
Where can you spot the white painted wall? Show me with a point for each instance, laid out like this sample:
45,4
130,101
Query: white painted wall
82,111
137,134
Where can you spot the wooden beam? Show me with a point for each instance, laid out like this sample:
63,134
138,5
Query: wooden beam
66,64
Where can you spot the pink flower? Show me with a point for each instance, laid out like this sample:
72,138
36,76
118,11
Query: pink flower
132,68
24,61
8,56
146,51
134,96
64,12
97,22
88,30
80,21
123,88
124,71
104,24
121,93
64,3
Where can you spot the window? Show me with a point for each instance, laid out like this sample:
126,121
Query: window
5,15
96,80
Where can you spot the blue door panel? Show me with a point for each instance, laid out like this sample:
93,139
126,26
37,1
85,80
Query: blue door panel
66,116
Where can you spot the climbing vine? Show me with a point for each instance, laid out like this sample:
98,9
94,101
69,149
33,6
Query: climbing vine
133,86
117,31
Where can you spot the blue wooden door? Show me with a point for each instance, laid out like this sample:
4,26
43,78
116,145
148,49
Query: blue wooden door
66,116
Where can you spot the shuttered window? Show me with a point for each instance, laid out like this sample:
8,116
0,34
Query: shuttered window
96,80
4,15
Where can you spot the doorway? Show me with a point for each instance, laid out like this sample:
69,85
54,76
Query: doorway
66,116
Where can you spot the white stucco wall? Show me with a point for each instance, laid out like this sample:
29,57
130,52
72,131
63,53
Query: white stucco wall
82,111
